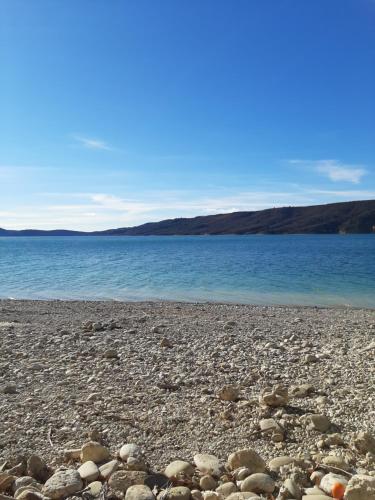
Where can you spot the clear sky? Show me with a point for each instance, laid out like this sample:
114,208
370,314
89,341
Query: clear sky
117,112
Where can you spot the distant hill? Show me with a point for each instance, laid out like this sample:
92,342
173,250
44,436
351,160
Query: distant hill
336,218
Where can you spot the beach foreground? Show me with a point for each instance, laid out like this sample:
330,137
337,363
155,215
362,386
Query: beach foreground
157,374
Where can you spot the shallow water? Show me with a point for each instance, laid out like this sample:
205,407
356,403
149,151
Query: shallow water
259,269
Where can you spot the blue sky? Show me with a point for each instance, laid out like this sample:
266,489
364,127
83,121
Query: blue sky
117,112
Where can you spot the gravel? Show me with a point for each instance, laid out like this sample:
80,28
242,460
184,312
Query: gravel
154,374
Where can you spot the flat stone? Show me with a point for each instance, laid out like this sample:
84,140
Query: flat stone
95,452
178,493
106,470
139,492
122,480
89,471
179,467
258,483
62,484
276,463
207,464
247,458
336,461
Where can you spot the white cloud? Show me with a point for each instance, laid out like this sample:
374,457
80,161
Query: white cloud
334,170
90,143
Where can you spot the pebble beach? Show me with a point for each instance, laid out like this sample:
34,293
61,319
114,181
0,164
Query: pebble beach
186,400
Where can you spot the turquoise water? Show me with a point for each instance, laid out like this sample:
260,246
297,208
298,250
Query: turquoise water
303,269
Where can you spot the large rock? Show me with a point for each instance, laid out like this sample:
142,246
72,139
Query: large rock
258,483
62,484
123,479
139,492
360,487
207,464
178,468
246,458
95,452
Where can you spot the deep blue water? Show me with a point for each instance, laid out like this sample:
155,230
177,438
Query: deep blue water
300,269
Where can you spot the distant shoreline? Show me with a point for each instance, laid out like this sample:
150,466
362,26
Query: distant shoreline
161,302
351,217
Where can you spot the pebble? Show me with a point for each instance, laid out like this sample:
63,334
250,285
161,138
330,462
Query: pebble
178,467
139,492
95,452
207,483
95,488
207,464
317,422
229,393
178,493
258,483
274,396
130,450
276,463
107,469
89,471
246,458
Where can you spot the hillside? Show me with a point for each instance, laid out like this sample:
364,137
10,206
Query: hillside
347,217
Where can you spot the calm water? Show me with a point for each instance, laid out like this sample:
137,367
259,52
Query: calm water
316,270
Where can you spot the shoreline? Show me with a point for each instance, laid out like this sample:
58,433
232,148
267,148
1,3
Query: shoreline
188,302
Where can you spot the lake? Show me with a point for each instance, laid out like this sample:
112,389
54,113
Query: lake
260,269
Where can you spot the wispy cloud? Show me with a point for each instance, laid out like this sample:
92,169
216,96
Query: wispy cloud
93,211
334,170
90,143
